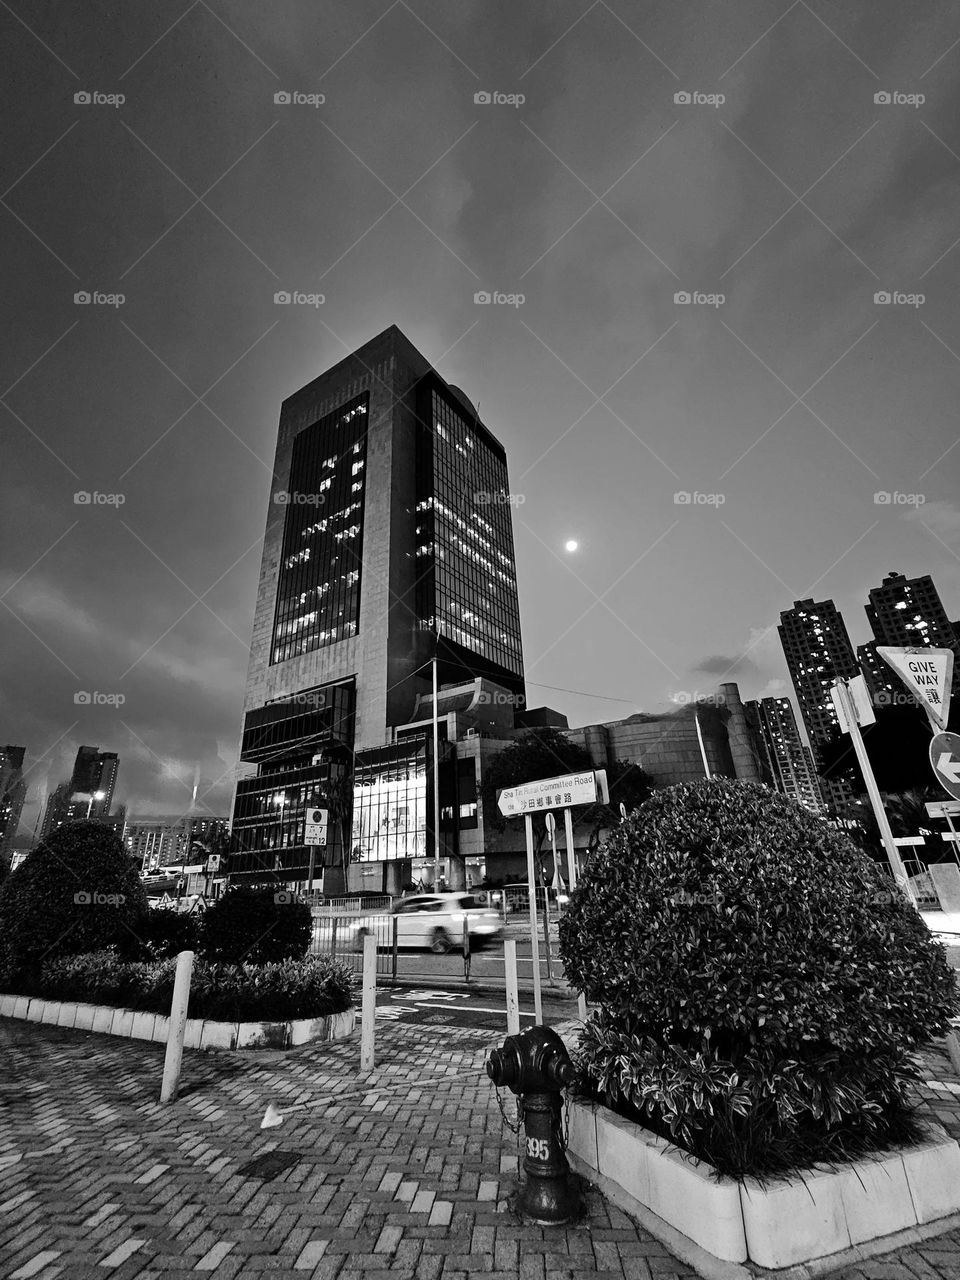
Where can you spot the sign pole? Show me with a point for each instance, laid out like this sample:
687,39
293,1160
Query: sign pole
532,904
572,874
893,853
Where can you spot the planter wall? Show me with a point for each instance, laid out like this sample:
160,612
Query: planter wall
199,1034
781,1224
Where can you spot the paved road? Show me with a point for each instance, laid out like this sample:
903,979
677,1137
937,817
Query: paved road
426,1006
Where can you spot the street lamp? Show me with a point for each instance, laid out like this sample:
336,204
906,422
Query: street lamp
98,796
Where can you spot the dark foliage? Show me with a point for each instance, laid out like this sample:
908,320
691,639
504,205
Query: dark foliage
255,926
761,984
79,891
230,993
163,934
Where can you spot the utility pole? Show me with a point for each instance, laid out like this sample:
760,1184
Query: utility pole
436,772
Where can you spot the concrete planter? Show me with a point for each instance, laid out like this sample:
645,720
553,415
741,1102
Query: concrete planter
790,1223
199,1034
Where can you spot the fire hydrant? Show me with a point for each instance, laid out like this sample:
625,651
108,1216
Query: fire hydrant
535,1065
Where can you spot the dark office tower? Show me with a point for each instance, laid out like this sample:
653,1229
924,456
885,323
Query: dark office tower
389,518
13,791
818,653
908,613
788,760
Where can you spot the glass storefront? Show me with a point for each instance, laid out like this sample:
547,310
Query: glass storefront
390,803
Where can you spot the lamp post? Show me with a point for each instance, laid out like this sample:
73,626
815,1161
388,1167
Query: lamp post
436,773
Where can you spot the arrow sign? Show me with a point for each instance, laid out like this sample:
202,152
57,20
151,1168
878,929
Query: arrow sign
945,759
928,674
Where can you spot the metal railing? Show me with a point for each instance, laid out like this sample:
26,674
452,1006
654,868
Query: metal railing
341,937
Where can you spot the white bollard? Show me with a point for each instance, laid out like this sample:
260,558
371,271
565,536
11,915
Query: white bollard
368,1007
513,997
178,1025
953,1048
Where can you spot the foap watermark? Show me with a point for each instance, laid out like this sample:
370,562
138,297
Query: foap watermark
317,698
494,98
86,298
500,698
85,698
94,98
884,498
284,498
486,298
694,98
683,298
84,498
696,898
685,697
894,98
294,298
284,898
487,498
893,698
684,498
893,298
93,898
297,98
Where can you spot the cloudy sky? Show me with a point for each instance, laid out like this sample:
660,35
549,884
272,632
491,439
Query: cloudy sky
628,153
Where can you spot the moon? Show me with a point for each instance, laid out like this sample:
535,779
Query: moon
571,544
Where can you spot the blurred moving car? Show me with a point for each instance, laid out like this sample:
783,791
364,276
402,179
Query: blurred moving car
433,920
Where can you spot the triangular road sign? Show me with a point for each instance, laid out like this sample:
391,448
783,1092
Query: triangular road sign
928,674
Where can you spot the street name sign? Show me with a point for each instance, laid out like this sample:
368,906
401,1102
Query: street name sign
943,808
928,674
945,759
315,828
908,840
549,793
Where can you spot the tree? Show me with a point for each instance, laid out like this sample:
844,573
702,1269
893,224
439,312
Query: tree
629,785
78,891
539,753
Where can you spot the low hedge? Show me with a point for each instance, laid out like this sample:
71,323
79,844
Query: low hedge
311,988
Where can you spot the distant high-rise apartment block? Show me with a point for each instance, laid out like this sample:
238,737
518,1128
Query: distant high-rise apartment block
171,840
788,761
818,652
388,540
88,794
13,791
908,613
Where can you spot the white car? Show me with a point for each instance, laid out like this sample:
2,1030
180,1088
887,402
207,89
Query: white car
433,920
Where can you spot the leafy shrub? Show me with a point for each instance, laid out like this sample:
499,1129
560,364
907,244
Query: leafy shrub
255,926
78,891
162,934
761,984
309,988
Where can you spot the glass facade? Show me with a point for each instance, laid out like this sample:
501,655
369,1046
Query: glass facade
467,579
318,587
390,803
302,747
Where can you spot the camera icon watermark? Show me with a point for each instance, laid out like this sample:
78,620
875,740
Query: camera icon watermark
494,98
694,98
894,298
494,298
296,98
294,298
94,98
684,298
83,698
894,98
86,498
886,498
284,898
86,298
684,498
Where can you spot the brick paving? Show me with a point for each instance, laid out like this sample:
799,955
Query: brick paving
403,1175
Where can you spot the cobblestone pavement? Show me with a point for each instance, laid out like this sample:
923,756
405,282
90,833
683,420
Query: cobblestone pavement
405,1175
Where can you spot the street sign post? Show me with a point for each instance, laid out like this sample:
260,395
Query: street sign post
943,808
928,674
847,715
899,841
550,793
945,761
314,835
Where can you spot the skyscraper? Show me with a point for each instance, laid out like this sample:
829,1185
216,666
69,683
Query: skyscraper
388,541
788,761
908,613
13,791
818,653
88,794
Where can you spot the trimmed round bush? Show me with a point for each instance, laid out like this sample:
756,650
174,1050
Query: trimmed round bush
78,891
761,984
162,934
255,926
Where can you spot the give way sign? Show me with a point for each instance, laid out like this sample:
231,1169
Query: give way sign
945,758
